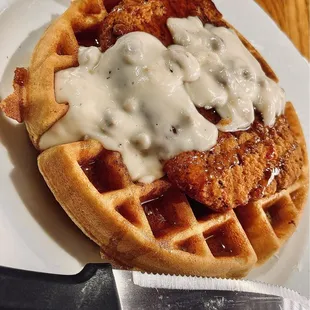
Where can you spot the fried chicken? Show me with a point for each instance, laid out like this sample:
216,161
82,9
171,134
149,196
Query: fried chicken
243,165
151,16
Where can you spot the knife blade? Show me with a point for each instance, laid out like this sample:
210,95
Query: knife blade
97,286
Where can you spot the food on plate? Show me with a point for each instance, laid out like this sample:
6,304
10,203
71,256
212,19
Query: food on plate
164,135
242,166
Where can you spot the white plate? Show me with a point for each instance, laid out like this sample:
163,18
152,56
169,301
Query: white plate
35,233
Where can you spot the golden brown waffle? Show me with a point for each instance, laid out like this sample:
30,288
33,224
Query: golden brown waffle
149,227
270,221
167,234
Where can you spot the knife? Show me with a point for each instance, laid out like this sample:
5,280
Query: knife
98,286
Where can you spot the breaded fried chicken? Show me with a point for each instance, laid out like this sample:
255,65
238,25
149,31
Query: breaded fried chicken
151,16
243,165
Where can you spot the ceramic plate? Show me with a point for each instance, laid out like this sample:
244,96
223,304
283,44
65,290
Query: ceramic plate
35,233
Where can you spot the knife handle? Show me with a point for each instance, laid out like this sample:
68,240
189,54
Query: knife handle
92,288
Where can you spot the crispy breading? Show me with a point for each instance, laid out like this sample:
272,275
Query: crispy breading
243,165
151,16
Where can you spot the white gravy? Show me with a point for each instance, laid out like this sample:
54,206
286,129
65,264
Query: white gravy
139,97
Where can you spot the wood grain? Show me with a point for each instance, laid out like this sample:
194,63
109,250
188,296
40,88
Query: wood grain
292,16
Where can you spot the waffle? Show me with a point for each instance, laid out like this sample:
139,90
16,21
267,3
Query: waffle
155,227
152,227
